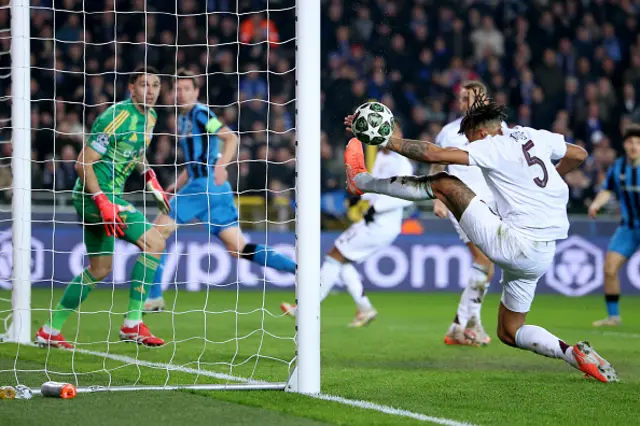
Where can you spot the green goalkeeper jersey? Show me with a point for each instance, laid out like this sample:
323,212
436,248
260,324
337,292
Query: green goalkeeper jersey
120,134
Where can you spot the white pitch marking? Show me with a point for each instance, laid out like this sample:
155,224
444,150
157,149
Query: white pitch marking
390,410
340,400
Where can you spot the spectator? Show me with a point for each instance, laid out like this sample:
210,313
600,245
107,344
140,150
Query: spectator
487,40
259,28
66,172
580,190
550,77
629,102
611,43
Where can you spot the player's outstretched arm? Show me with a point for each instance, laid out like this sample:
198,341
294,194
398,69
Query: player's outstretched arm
601,199
423,151
427,152
573,158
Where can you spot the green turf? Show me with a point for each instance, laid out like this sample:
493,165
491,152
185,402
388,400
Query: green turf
399,361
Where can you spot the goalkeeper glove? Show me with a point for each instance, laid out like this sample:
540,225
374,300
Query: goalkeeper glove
156,190
113,224
369,215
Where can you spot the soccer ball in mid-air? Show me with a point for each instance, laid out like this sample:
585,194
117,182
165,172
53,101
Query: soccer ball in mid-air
372,123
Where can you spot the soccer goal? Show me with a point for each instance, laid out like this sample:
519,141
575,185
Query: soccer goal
257,66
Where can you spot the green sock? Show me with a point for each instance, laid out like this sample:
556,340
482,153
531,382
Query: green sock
77,290
141,282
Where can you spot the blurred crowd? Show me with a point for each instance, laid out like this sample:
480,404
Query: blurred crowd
571,66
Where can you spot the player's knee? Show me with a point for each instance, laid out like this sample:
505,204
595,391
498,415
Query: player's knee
100,272
155,244
158,245
610,270
439,181
165,227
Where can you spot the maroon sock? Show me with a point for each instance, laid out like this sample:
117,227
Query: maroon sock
563,346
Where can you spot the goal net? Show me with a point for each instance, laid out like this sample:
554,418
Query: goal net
62,67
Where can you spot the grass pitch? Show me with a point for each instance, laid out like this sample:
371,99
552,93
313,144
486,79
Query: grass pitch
399,361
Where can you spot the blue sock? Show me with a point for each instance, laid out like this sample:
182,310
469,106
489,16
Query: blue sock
613,307
156,288
263,255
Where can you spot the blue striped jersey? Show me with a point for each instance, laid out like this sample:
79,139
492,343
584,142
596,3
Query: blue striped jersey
624,181
197,133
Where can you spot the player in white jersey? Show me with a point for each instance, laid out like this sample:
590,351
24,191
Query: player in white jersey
531,198
380,226
466,328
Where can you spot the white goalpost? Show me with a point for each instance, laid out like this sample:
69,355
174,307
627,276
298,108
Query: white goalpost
20,328
210,344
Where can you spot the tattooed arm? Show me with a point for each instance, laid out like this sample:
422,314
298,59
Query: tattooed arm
427,152
423,151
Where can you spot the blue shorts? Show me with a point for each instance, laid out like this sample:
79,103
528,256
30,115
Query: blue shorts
625,241
211,204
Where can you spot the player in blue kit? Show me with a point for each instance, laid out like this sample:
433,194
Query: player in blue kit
623,181
202,189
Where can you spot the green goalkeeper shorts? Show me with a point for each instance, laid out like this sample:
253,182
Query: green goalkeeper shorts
95,236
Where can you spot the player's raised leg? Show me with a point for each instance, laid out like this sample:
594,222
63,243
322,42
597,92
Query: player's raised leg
258,253
621,247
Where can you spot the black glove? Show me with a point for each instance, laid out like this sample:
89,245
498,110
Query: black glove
353,200
369,215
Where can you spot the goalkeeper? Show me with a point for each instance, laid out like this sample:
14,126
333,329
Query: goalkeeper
117,144
203,191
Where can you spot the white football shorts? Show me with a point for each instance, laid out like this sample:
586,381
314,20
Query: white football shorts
522,260
360,240
465,239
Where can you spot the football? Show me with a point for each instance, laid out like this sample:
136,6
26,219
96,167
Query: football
372,123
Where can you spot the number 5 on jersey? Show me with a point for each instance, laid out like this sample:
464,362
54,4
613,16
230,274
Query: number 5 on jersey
532,160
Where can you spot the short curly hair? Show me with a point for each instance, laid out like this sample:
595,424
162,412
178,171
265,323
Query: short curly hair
483,110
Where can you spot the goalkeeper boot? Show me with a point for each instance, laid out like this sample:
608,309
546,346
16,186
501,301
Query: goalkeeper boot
612,321
141,335
475,332
592,364
363,318
354,164
288,309
456,336
154,305
44,339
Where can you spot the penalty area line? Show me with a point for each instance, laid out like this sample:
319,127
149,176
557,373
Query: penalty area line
367,405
